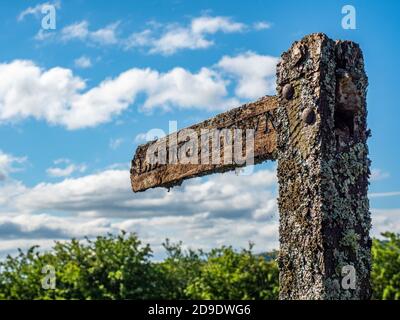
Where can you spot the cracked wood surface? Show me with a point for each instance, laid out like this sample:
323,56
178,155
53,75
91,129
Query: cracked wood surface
171,172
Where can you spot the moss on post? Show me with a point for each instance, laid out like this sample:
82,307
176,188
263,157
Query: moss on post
323,170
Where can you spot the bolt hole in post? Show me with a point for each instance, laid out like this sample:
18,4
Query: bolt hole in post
347,104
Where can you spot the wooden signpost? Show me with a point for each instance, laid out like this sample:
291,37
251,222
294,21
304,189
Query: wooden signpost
316,128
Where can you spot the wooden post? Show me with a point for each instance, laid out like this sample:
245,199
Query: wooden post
316,128
323,170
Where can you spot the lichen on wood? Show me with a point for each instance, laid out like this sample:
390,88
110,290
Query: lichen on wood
323,170
257,116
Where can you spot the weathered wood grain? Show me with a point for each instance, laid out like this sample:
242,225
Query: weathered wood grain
257,115
323,170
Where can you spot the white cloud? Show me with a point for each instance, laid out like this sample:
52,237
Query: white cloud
255,73
59,97
139,39
165,39
108,194
80,31
8,189
384,194
28,91
55,95
199,232
9,164
84,192
103,202
37,10
10,246
83,62
141,138
77,30
66,171
385,220
261,25
62,160
42,35
378,174
46,226
177,37
119,166
203,212
106,35
115,143
211,25
86,195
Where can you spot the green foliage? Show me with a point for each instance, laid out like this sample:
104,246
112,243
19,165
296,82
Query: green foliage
120,267
386,267
231,275
111,267
222,273
180,268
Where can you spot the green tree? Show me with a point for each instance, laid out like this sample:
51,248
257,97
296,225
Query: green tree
120,267
227,274
179,269
386,267
110,267
20,276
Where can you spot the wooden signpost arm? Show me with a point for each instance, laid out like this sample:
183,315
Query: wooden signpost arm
170,170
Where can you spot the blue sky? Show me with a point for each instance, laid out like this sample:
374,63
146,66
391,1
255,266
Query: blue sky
76,101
